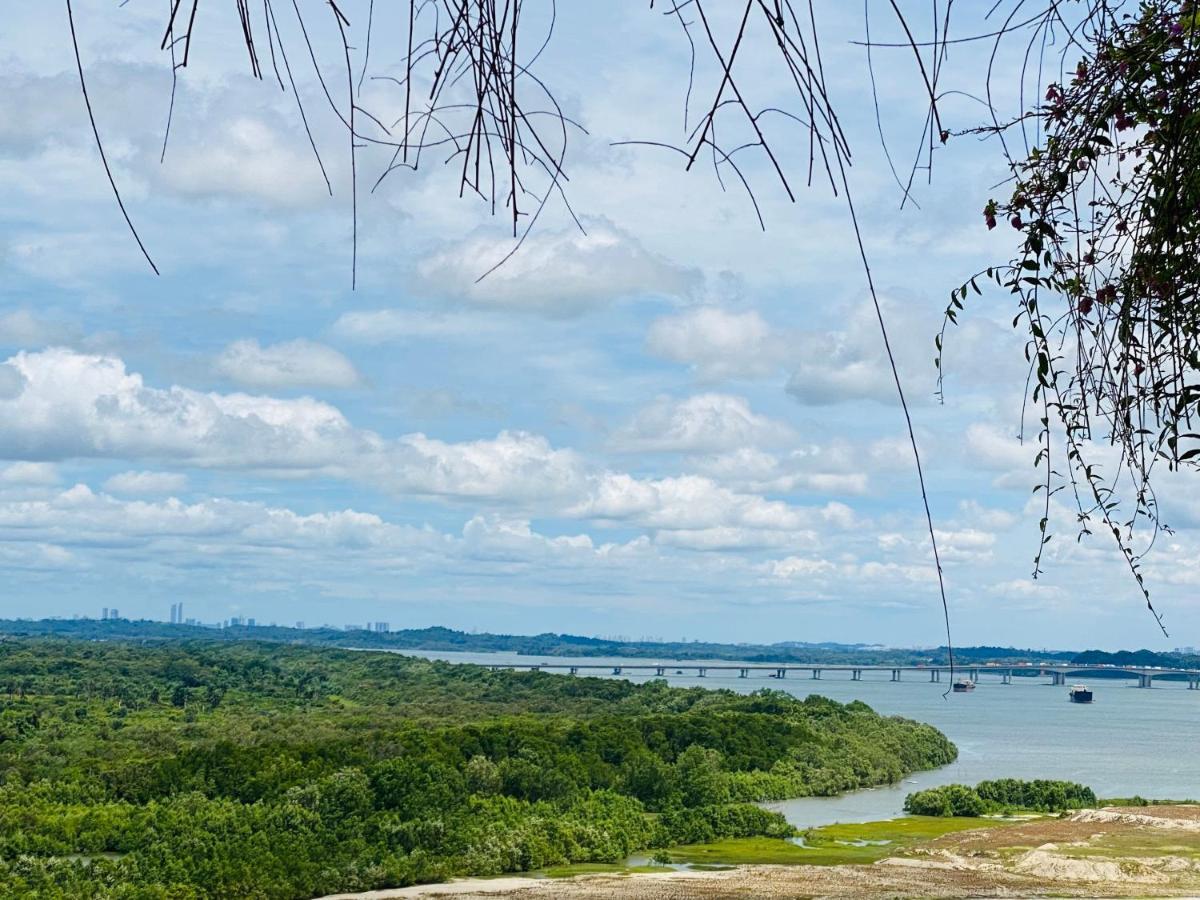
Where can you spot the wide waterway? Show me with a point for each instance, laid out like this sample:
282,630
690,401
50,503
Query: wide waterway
1129,741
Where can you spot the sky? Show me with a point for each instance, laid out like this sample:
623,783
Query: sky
671,424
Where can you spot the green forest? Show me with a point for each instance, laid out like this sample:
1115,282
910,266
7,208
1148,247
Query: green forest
205,770
1001,796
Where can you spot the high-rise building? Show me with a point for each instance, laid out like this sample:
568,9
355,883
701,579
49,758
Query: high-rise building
104,613
250,623
114,613
381,627
174,613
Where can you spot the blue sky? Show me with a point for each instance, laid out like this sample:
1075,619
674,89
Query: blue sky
675,425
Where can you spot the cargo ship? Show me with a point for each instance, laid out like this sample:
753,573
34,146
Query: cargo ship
963,685
1080,694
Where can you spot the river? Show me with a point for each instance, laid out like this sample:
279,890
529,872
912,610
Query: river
1129,741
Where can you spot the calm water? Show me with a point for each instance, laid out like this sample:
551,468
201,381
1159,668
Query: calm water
1129,741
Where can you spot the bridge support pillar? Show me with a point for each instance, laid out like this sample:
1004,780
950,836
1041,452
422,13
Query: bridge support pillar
1006,678
975,675
743,673
1145,681
781,673
816,673
1194,684
574,670
935,674
660,671
895,674
856,674
703,672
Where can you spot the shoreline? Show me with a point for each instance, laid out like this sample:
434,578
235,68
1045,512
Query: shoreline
1107,852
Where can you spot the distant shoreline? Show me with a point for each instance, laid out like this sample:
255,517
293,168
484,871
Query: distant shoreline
439,639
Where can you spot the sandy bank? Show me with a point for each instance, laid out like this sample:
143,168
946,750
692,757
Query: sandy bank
1114,852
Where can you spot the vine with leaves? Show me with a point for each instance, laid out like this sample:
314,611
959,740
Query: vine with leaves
1107,272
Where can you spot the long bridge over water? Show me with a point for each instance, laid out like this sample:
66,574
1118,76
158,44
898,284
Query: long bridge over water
1058,674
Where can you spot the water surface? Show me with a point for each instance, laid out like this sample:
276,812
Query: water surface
1129,741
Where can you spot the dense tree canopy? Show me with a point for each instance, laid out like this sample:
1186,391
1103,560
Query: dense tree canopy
250,770
1004,795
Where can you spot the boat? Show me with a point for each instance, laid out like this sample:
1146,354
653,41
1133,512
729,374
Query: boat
1080,694
963,685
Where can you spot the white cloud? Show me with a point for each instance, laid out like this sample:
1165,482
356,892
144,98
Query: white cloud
513,465
686,502
141,483
726,537
29,473
244,157
823,470
851,363
555,273
990,448
79,526
716,343
988,517
12,381
799,567
384,325
22,328
700,423
298,363
84,405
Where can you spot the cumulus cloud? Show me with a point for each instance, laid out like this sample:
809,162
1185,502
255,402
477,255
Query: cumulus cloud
850,363
716,343
700,423
142,483
514,465
686,502
298,363
244,157
84,405
29,473
12,381
725,537
830,469
81,526
80,516
555,273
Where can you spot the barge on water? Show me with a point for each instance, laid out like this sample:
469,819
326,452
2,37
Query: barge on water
963,685
1080,694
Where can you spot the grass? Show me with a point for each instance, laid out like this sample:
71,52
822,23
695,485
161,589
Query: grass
853,844
570,871
1119,845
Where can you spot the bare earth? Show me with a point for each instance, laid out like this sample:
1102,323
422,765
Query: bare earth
1115,852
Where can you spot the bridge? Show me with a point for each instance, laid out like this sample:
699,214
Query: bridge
1058,674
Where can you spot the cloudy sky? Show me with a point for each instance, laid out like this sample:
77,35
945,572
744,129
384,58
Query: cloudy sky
673,425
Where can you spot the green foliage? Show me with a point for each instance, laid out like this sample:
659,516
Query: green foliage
1106,269
321,770
1000,796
